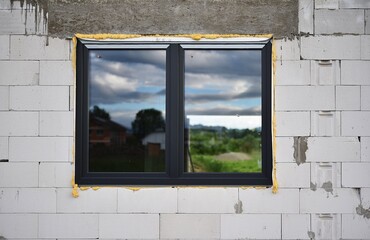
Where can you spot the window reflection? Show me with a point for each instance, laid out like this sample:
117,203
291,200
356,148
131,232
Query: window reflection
127,109
222,111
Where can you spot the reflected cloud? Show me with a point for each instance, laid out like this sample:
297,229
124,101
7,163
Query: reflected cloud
224,110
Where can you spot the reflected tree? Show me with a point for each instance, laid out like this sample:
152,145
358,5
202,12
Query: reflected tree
99,112
147,121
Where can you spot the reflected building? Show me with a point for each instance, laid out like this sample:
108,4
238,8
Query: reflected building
105,132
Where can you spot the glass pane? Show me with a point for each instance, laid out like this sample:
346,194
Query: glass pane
127,110
222,111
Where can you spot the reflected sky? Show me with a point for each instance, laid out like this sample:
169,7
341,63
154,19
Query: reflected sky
217,82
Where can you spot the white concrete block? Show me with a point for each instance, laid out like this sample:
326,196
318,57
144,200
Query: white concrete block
341,200
325,123
355,72
356,123
190,226
11,74
330,47
285,149
333,149
356,175
365,197
18,226
4,98
365,97
39,98
147,200
71,98
19,123
365,45
250,226
365,149
38,27
291,175
326,226
326,175
367,25
89,201
5,46
264,201
129,226
293,73
27,200
4,147
339,21
40,149
56,73
13,22
193,200
325,72
68,226
55,174
56,123
287,49
348,97
18,174
327,4
295,226
354,4
305,16
291,98
355,227
292,123
38,48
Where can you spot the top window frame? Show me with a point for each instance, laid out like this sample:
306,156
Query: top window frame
174,175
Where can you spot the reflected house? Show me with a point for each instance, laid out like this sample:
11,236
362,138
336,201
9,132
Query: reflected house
105,132
155,143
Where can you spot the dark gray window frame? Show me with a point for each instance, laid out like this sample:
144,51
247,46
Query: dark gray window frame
174,175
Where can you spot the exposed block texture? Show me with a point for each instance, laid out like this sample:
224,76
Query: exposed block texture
365,43
56,73
250,226
355,227
326,175
56,123
18,226
325,72
15,22
89,201
305,15
4,98
291,175
40,149
55,174
190,226
338,200
348,97
354,4
285,149
295,226
326,4
148,200
334,149
365,98
38,48
68,226
355,72
202,200
129,226
11,74
292,98
326,226
18,174
287,49
27,200
264,201
330,47
293,73
39,98
365,149
356,175
19,123
5,45
367,24
292,123
339,21
356,123
325,123
365,198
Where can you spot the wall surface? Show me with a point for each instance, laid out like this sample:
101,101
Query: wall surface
323,131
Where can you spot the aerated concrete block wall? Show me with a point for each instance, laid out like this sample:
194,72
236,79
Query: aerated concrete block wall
322,97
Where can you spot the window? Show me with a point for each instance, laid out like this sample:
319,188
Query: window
173,113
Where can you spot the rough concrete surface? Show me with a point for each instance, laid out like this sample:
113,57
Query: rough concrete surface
66,17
